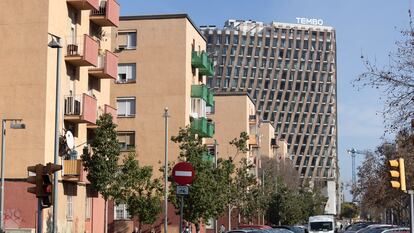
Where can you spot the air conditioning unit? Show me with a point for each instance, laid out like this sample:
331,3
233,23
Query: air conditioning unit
122,46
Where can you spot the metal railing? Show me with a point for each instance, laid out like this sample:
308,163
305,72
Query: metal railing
75,46
73,105
101,10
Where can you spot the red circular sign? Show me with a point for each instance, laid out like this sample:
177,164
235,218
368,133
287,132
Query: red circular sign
183,173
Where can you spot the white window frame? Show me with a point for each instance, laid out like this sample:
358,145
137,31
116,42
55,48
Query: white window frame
128,112
128,35
129,70
126,133
198,108
124,215
69,208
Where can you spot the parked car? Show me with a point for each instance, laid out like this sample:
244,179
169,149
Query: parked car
397,230
245,231
375,228
278,230
295,229
357,226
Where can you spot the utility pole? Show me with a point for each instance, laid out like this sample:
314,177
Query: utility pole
166,116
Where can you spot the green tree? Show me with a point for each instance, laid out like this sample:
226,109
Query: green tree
349,210
207,196
139,191
102,165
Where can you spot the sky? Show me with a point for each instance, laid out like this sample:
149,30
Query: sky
363,27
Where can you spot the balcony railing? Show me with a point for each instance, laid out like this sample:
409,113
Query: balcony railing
80,109
84,4
107,66
107,14
73,171
201,61
253,140
202,127
207,157
110,110
210,129
202,92
82,51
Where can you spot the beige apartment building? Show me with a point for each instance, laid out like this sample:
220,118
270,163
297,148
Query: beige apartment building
28,67
162,64
234,113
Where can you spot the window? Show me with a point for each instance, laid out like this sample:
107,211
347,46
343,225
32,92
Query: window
198,108
126,140
90,193
121,212
69,208
126,73
127,40
126,106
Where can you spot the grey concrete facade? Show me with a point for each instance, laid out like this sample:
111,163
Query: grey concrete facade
290,72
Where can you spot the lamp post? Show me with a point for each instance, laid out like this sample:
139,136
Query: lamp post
166,116
16,124
55,44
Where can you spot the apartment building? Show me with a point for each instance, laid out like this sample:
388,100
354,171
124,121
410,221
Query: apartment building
28,67
234,113
290,72
162,64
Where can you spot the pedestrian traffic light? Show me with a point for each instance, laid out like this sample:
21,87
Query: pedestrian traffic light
398,171
43,181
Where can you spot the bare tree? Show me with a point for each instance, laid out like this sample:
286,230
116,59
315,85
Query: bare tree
396,80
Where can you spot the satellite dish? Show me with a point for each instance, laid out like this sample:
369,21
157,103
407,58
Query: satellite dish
70,141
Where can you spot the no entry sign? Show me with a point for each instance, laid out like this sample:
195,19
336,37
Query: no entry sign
183,173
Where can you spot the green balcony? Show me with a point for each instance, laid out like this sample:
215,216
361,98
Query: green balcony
207,157
209,71
202,127
201,61
199,126
199,91
210,129
210,99
202,92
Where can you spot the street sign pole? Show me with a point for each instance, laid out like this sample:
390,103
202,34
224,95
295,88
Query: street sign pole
181,192
411,192
181,213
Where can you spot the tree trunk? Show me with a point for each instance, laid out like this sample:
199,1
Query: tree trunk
197,225
106,216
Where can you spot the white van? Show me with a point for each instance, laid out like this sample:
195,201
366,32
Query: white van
322,223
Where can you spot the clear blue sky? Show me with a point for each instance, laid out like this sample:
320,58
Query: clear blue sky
367,26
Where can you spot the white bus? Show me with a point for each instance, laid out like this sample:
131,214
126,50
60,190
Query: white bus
322,223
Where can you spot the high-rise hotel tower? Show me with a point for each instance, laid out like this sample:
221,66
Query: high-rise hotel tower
290,71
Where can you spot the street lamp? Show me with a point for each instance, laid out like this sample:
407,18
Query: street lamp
55,44
15,124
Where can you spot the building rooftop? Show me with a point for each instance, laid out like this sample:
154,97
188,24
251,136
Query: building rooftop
162,16
248,25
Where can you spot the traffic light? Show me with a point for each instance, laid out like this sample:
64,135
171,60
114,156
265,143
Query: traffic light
37,179
43,181
398,171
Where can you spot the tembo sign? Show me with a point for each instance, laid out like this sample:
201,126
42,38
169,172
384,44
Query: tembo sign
318,22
